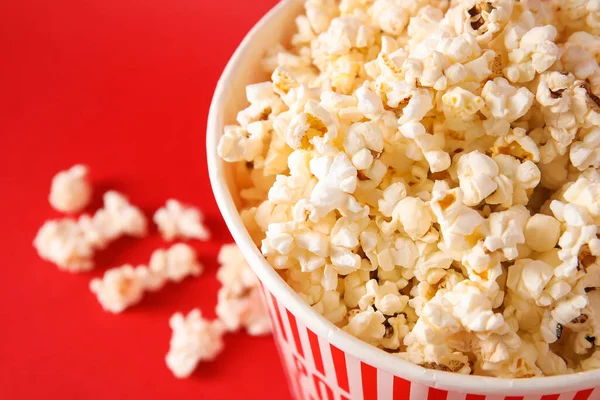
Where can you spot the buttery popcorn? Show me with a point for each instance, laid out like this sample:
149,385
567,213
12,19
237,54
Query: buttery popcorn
125,286
424,175
194,339
177,220
71,190
71,244
238,301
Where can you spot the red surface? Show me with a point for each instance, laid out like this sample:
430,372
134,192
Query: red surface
123,86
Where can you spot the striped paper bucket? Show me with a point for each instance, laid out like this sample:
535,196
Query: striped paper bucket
322,361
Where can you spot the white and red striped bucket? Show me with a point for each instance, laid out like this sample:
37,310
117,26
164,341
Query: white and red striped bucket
321,360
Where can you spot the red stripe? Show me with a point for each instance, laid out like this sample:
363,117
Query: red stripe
316,350
401,389
437,394
275,310
369,381
550,397
514,398
339,362
475,397
583,395
294,327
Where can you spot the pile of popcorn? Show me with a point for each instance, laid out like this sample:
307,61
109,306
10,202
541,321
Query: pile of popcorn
424,174
71,245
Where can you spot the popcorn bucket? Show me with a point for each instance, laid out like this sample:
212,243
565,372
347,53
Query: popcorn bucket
322,361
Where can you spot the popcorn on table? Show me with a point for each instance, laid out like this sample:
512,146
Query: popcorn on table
194,339
177,220
71,190
71,244
425,175
239,302
125,286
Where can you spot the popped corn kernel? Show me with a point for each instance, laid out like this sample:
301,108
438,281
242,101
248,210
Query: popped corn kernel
63,243
194,339
175,263
71,190
177,220
122,287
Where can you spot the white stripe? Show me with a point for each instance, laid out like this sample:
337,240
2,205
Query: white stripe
567,396
354,377
328,365
305,342
309,363
418,391
595,394
495,397
287,327
385,385
456,396
285,347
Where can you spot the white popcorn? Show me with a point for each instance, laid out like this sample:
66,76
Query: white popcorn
122,287
476,173
176,220
63,243
119,217
71,190
239,303
337,180
175,263
504,104
194,339
528,278
367,325
237,144
506,231
234,271
386,298
534,53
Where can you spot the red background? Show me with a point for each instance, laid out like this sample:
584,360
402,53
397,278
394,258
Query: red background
123,86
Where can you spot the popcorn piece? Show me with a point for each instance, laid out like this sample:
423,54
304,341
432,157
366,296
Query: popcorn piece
533,53
176,220
476,173
528,278
119,217
194,339
122,287
175,263
63,243
71,190
239,303
504,104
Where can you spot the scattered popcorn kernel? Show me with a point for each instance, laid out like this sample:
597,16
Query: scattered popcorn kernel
194,339
63,243
175,263
177,220
239,303
71,190
121,287
124,286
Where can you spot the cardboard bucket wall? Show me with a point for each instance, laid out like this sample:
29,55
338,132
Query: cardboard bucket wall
321,361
